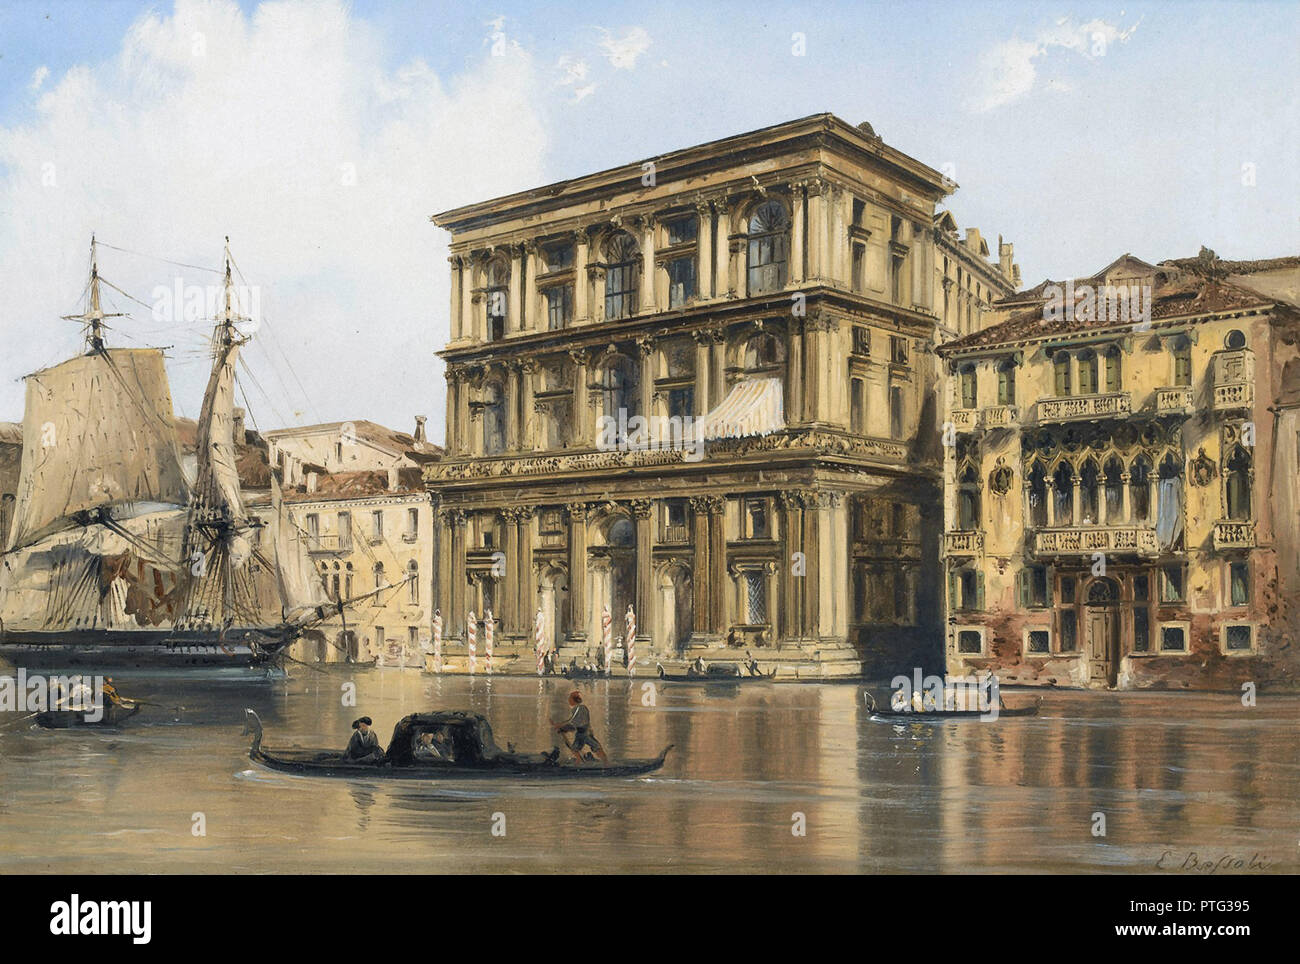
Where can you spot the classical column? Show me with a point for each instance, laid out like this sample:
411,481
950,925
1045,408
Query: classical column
451,378
798,233
646,611
1049,487
534,433
508,599
704,242
514,312
647,304
645,376
1076,500
577,512
526,575
816,230
456,575
513,426
453,314
580,281
701,581
722,263
812,514
1126,502
473,317
791,584
718,368
718,594
532,317
580,415
702,401
464,428
794,407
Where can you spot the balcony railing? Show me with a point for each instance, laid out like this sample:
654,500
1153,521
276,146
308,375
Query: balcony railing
964,419
676,533
1174,401
1078,540
1231,534
1233,374
329,543
1078,407
1000,416
963,543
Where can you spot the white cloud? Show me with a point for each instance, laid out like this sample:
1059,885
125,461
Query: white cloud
38,77
1009,70
623,52
582,93
572,70
286,130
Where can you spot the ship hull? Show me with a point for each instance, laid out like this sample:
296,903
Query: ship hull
136,648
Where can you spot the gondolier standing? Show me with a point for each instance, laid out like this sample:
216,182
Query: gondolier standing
579,724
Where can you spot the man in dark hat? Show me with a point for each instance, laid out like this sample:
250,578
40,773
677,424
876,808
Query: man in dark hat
364,746
579,724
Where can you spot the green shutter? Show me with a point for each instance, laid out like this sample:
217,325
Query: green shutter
1022,587
979,590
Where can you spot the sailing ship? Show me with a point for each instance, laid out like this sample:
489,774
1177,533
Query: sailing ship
113,555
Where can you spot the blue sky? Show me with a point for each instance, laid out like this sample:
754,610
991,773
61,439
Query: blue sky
1077,131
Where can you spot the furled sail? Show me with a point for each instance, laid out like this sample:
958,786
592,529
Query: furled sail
97,434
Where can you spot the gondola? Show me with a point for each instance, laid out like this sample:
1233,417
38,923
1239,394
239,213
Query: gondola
926,716
727,674
114,715
577,673
472,752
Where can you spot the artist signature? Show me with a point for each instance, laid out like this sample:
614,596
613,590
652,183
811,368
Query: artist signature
1198,863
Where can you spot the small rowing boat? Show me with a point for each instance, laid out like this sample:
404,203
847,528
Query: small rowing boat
462,747
114,713
926,716
725,673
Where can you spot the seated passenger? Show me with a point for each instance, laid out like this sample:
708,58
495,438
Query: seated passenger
364,746
429,749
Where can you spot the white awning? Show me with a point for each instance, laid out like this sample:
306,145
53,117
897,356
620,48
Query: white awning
754,406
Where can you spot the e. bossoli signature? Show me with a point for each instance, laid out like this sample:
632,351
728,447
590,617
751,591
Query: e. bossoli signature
1198,863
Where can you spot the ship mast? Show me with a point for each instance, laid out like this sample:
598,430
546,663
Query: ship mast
93,317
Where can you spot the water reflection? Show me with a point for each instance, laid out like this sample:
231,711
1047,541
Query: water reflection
1170,772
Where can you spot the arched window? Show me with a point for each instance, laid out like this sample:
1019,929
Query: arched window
1007,382
1112,362
1114,490
1088,373
763,352
413,582
621,533
1061,371
1063,492
498,297
622,274
1089,493
1139,485
968,500
769,247
618,384
1037,488
968,386
1169,502
494,419
1182,362
1237,484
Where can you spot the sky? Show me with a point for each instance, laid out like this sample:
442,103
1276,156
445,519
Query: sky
319,136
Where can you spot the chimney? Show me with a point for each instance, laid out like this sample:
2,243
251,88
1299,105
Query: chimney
1006,256
239,426
973,240
311,482
393,473
419,428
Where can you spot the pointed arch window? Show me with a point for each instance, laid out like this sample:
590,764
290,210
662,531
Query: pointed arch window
1063,493
1089,493
1237,484
1114,483
1037,489
769,247
968,500
413,582
1139,484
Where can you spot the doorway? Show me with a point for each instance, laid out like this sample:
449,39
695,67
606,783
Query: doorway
1101,620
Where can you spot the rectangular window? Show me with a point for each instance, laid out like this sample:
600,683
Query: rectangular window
620,291
1182,365
377,526
413,638
1007,383
862,341
412,524
1238,638
379,639
857,411
1061,368
682,230
1141,588
1171,584
313,525
898,349
1069,631
970,641
896,412
969,589
968,387
681,281
345,530
559,307
675,521
681,402
559,257
1037,641
1239,583
1141,630
1037,581
859,267
756,598
756,518
1173,639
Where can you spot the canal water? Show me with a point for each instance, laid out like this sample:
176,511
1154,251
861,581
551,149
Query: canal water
1182,781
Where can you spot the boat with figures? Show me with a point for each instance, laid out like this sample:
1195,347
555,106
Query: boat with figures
909,715
116,555
727,673
460,746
